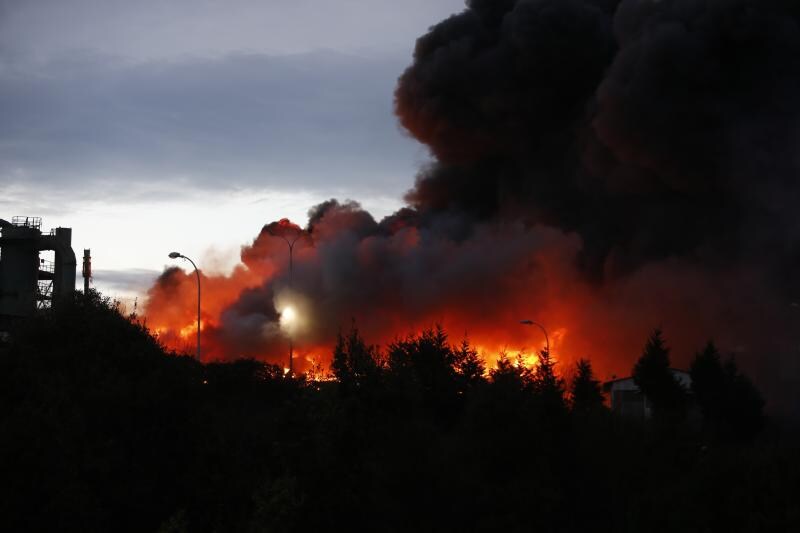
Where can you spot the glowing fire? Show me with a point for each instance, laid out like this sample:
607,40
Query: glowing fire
190,330
253,312
171,315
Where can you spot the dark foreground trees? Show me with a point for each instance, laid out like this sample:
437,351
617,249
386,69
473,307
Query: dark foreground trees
585,391
732,407
652,374
100,430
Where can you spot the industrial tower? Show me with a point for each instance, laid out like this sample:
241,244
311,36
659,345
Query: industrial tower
28,282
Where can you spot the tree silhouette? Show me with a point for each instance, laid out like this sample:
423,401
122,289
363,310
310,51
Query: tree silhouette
731,405
585,393
424,366
545,381
354,362
655,380
468,364
511,373
708,382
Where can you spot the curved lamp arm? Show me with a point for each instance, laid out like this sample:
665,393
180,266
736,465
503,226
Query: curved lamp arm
533,323
176,255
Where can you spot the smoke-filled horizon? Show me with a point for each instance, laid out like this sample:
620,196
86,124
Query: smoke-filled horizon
602,167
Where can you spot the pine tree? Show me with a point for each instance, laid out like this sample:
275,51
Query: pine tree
548,386
468,363
745,411
732,407
510,374
654,378
708,382
354,362
585,391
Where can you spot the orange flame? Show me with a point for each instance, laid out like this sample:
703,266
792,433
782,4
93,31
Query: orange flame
607,323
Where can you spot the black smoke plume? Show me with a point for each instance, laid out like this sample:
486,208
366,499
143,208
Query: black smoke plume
652,128
607,166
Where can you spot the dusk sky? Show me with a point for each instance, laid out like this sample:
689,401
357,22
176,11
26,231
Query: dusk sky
159,125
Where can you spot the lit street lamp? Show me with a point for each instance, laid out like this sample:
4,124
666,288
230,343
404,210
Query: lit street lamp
532,323
289,312
176,255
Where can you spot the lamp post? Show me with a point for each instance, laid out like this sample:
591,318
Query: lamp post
176,255
290,243
532,323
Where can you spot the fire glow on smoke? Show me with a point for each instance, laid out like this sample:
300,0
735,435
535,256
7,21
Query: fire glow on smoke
597,167
394,284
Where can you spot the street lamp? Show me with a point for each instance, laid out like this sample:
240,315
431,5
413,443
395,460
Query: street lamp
532,323
290,243
289,312
176,255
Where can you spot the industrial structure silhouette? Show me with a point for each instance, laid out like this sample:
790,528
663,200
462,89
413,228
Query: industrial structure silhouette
29,281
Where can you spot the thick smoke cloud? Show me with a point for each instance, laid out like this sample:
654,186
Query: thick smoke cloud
606,167
651,128
384,275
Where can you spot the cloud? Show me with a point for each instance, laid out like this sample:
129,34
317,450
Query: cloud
126,282
319,121
157,29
